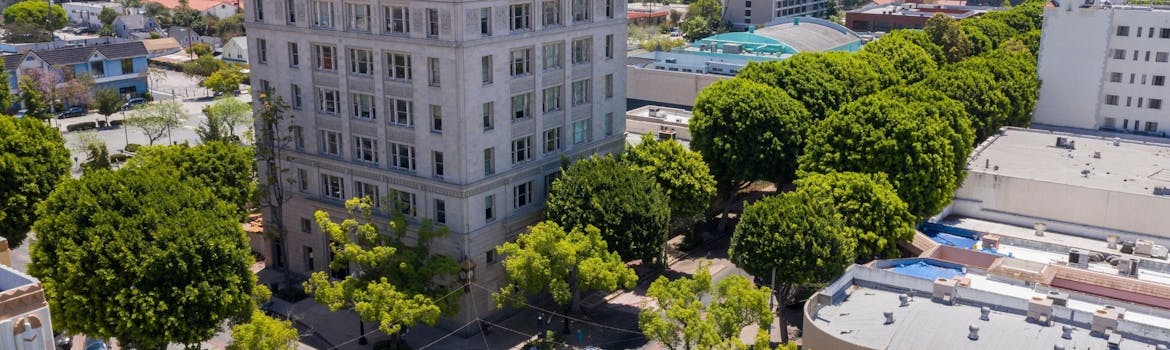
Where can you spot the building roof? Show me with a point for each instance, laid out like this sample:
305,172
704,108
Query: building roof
161,44
201,5
952,9
240,41
132,22
75,55
11,61
809,34
1106,163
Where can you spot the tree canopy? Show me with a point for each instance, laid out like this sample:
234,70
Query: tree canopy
911,62
36,105
1015,73
679,317
945,32
564,263
107,101
918,137
795,233
6,98
704,18
628,206
869,208
264,333
918,38
142,256
203,67
821,81
155,119
33,160
680,172
36,12
107,16
227,169
979,92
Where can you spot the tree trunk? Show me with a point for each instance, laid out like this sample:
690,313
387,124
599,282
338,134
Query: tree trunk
575,299
782,306
727,202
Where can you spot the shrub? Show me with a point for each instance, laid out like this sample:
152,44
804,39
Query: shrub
81,126
119,157
117,122
102,123
133,147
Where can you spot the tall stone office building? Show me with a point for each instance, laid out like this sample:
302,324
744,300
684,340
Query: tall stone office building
454,110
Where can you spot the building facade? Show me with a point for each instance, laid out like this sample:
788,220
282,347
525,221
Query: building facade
1105,68
122,67
741,14
456,112
25,323
887,17
86,13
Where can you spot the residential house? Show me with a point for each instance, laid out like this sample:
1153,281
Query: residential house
217,8
236,50
24,312
187,36
161,47
86,13
136,26
118,66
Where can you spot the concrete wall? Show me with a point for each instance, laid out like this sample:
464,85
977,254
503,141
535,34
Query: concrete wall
663,86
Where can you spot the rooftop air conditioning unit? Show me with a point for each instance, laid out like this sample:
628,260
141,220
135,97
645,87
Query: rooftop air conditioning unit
1143,247
1128,268
1158,251
1078,258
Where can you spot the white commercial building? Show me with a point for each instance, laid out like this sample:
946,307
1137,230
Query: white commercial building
742,14
1105,67
86,13
458,112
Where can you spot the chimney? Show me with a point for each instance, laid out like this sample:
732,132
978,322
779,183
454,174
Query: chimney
974,335
5,255
944,290
1040,310
889,317
984,312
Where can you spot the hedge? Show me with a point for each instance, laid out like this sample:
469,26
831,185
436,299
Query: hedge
81,126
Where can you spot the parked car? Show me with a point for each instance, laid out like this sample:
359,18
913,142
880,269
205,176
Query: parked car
21,113
134,102
96,344
71,112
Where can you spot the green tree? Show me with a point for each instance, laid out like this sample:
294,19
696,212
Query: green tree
96,153
36,12
681,317
1015,73
108,15
628,206
995,31
33,160
919,138
107,32
227,169
945,32
203,67
19,33
107,101
143,257
911,62
233,112
918,38
394,285
35,104
747,131
981,95
563,263
679,171
224,81
868,206
156,119
6,98
230,27
704,18
821,81
199,49
264,333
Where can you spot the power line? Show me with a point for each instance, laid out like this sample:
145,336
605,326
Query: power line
453,291
448,334
563,315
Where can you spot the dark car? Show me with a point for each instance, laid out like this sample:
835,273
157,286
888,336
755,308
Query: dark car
134,102
71,112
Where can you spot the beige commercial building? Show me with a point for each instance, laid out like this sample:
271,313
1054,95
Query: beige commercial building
454,111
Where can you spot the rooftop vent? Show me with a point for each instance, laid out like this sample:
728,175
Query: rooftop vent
1116,141
889,317
984,312
1114,341
1078,258
1097,155
1064,142
974,332
904,300
1040,228
1128,268
1112,239
1058,298
944,290
1066,331
1040,310
1058,347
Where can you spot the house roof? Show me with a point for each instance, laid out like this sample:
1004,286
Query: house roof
240,41
74,55
11,61
161,44
201,5
132,22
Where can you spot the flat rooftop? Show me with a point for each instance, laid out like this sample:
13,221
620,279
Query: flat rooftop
1123,165
924,10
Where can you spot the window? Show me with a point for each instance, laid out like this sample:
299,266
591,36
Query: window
1164,33
307,251
128,64
97,69
1111,100
485,66
327,100
436,118
437,167
1135,55
402,156
485,21
1110,123
522,194
265,87
552,140
580,131
552,99
581,50
401,112
1128,101
362,190
291,7
1118,54
398,66
609,46
1159,80
297,101
294,55
608,124
609,8
404,202
440,211
298,136
433,71
1151,127
359,17
332,186
489,207
1161,56
519,14
259,11
397,20
1123,31
432,23
581,10
322,13
549,179
361,61
330,143
522,149
551,11
363,106
521,61
1114,77
553,55
326,57
609,86
490,256
1131,77
522,106
582,91
1155,103
302,180
489,161
365,149
489,115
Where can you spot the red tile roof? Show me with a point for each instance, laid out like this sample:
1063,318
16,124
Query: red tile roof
200,5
